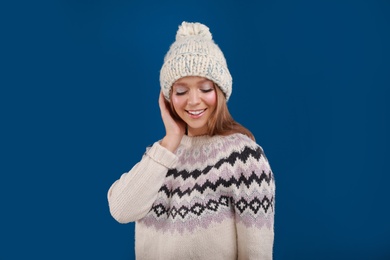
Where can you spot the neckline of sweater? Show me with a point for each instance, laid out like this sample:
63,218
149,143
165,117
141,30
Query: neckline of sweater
200,139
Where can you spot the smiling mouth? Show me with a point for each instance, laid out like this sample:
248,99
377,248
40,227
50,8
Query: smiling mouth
195,112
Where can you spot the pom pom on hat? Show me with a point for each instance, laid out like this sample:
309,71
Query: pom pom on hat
193,29
194,53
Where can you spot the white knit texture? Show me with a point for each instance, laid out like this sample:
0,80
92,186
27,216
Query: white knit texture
194,53
212,199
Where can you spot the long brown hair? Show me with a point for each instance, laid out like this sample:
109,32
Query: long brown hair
221,122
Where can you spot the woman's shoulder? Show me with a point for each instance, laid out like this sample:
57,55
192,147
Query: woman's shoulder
241,148
237,144
240,141
243,142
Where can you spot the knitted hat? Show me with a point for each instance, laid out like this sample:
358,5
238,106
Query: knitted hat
194,53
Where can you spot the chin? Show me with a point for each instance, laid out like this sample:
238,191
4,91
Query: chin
202,130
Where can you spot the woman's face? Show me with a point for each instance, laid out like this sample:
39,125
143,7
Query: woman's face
194,100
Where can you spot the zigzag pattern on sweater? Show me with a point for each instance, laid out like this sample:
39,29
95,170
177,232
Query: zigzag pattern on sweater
253,178
223,180
231,159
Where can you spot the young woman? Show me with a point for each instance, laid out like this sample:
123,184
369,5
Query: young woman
205,190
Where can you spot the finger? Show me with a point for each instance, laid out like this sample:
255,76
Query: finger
160,98
161,102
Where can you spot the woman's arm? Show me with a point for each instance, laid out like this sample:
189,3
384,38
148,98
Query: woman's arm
254,204
131,197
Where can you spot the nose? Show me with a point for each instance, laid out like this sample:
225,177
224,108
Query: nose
193,98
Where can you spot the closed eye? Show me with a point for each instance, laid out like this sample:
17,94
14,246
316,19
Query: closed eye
207,90
180,93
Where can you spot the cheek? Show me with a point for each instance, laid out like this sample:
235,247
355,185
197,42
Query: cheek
211,100
177,102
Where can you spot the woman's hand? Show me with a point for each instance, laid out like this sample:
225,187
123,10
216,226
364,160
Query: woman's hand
174,128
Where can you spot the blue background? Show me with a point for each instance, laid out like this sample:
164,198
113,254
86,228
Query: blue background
79,89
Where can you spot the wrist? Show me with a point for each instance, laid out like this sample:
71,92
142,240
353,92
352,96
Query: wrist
171,142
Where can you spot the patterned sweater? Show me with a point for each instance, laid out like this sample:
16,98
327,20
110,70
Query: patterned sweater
211,199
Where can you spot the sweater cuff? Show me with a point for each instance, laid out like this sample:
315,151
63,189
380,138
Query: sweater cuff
162,155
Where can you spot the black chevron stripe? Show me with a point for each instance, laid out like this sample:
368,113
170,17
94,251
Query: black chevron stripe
231,159
253,178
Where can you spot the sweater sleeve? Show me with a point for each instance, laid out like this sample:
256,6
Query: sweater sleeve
254,204
132,195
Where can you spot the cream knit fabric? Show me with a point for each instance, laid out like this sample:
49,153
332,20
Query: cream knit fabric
211,199
194,53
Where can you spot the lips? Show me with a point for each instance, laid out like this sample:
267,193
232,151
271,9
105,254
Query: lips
196,113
